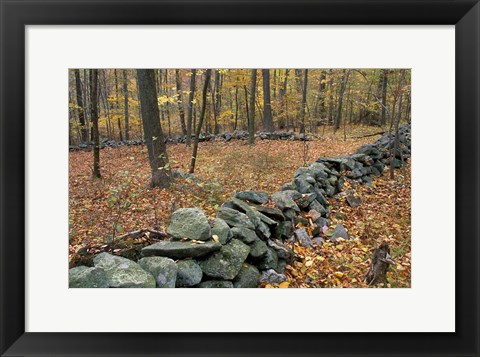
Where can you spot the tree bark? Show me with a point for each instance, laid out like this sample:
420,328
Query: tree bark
154,139
180,101
267,105
191,96
94,118
251,117
384,97
117,106
208,73
397,121
125,105
338,118
304,101
80,104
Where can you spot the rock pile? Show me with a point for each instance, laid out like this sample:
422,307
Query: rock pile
245,243
178,139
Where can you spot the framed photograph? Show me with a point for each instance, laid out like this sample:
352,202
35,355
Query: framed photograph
318,159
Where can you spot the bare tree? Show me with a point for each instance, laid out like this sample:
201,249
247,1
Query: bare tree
251,117
267,106
94,118
81,107
125,105
191,96
338,118
208,74
180,101
303,109
397,121
154,139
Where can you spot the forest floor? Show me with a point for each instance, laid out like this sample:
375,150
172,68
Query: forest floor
122,201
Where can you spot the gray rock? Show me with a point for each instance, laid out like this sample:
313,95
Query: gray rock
86,277
284,200
180,250
306,200
288,186
226,263
282,251
339,232
282,265
270,276
318,240
316,206
123,273
222,231
269,261
189,223
258,249
303,237
353,201
216,284
164,270
189,273
284,230
253,196
246,235
271,212
248,277
235,218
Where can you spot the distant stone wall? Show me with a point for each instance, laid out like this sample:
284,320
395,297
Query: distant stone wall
178,139
244,244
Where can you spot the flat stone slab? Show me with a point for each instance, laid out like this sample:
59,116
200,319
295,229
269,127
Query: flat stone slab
180,250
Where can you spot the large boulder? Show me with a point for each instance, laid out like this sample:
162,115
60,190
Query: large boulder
123,273
285,199
189,273
253,196
269,261
227,262
244,234
258,249
180,250
222,231
189,223
164,270
235,218
339,232
248,277
87,277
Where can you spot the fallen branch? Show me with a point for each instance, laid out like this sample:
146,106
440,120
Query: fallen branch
367,135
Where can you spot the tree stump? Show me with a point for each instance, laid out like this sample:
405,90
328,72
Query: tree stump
381,261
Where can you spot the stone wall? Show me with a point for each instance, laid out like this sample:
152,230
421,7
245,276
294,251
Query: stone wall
245,243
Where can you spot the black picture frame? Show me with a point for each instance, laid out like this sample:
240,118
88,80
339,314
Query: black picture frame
15,15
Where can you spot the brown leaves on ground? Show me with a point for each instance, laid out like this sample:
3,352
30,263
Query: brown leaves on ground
121,201
384,215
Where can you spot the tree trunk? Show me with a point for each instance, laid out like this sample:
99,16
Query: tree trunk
117,106
236,108
154,139
384,97
208,73
304,102
267,105
80,104
191,96
94,118
180,101
338,118
399,114
251,117
217,100
125,99
330,97
381,261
